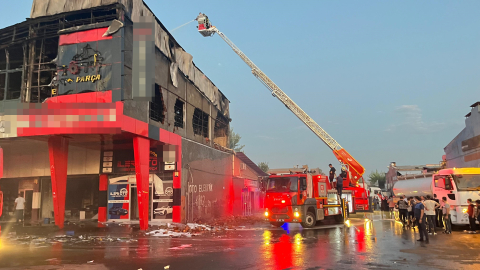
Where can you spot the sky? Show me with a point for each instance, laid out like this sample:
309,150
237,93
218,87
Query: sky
389,80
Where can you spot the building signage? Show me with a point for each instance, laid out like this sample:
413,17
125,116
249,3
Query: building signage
119,201
88,59
163,201
123,161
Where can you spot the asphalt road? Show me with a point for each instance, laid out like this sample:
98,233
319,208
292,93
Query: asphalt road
377,243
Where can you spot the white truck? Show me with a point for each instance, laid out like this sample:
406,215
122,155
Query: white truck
457,185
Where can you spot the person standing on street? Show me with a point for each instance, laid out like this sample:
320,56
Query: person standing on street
438,212
446,216
375,202
331,174
402,210
409,212
391,205
421,220
477,212
471,216
430,207
19,207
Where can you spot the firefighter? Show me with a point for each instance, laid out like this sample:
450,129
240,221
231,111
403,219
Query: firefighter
339,185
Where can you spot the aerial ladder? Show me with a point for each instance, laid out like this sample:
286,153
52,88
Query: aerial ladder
354,169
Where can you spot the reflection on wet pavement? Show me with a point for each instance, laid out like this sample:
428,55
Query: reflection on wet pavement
365,242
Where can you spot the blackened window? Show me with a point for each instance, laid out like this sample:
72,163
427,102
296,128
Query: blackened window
3,60
11,63
2,85
179,108
15,57
157,107
200,123
14,85
221,126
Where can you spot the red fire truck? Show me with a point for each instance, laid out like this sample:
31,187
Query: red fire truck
301,198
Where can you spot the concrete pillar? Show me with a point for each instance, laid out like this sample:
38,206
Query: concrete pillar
141,150
58,152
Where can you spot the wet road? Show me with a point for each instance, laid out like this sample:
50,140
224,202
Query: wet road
373,244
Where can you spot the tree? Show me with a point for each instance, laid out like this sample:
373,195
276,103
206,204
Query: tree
377,179
263,166
234,141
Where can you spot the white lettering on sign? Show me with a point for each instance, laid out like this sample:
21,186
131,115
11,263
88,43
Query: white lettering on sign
122,193
200,188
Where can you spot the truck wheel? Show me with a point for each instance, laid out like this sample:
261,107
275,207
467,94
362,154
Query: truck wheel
309,220
277,224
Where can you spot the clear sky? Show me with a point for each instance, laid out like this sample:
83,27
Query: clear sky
389,80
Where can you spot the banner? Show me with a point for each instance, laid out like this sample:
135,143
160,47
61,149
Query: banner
163,201
119,201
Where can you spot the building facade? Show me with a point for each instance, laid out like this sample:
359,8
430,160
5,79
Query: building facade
464,150
80,142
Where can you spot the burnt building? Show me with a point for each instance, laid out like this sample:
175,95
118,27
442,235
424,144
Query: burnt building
464,149
77,141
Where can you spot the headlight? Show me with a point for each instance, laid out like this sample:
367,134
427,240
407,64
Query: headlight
464,210
296,214
296,209
266,213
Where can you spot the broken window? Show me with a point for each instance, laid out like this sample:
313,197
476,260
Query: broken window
14,85
157,107
200,123
44,69
220,131
3,60
2,85
179,108
15,57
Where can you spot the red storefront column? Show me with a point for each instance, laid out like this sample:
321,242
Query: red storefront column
103,196
58,151
141,149
177,183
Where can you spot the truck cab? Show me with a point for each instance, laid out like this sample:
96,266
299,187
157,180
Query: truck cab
457,185
301,198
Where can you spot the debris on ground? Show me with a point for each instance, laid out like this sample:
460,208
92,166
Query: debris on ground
200,227
41,241
181,247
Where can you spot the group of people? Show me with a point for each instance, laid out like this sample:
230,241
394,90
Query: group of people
427,213
473,215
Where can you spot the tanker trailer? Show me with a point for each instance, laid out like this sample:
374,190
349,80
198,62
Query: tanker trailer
413,187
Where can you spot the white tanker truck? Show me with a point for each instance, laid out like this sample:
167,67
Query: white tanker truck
457,185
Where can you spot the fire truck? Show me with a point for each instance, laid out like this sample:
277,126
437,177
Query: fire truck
300,197
354,170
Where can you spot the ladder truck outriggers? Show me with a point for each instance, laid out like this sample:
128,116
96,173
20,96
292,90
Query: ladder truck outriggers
354,170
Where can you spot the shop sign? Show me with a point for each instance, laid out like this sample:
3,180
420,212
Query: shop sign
123,161
88,59
163,201
118,201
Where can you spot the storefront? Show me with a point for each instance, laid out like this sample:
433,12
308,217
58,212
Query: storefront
81,200
123,202
119,165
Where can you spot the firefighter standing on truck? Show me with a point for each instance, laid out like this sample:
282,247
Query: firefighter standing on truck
339,185
331,175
